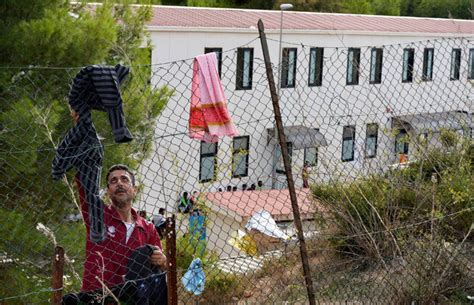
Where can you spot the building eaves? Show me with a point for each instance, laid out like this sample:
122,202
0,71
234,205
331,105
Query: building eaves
221,19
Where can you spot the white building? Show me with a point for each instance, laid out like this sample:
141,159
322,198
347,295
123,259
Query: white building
350,84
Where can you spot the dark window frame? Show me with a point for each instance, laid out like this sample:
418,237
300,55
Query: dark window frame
353,66
470,74
427,64
285,67
376,67
454,72
218,52
239,85
207,155
289,145
315,163
370,134
409,58
352,129
247,153
316,67
401,133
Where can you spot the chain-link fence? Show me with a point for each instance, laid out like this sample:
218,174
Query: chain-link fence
380,143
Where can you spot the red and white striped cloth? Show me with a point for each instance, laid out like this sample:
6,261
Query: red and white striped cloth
209,117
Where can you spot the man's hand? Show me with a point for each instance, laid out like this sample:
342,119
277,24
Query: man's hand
159,259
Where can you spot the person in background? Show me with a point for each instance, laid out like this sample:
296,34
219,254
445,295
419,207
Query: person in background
142,213
159,221
305,174
259,185
194,200
244,187
234,189
184,204
253,187
229,188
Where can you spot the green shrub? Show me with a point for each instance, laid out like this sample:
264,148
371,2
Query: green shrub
435,192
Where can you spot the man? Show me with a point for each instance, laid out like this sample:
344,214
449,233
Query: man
184,203
106,262
159,221
305,174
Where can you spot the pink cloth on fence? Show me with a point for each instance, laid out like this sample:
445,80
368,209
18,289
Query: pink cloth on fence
209,118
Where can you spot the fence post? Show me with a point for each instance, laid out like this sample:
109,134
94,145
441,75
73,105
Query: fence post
57,277
172,279
286,161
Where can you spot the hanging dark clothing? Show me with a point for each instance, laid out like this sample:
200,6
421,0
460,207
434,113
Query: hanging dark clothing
94,87
82,149
97,87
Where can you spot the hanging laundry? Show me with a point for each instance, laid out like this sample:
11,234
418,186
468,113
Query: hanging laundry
98,87
94,87
209,117
197,230
194,279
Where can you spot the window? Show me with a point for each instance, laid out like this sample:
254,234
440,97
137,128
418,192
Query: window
371,140
471,64
401,142
428,55
244,68
288,68
353,60
408,62
348,143
280,165
455,64
218,52
311,156
376,57
316,57
240,157
207,169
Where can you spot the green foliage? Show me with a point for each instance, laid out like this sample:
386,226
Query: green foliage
220,286
439,185
357,7
31,252
34,117
386,7
189,248
444,9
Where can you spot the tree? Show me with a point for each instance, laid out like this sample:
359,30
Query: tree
386,7
357,7
444,9
313,5
34,113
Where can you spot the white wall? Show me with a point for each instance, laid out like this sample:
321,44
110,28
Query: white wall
175,165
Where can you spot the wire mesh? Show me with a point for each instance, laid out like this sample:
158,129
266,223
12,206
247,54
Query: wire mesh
380,139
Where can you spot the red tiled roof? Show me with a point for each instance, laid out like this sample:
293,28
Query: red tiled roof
277,202
193,17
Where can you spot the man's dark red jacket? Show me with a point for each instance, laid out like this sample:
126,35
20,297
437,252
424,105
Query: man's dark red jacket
106,261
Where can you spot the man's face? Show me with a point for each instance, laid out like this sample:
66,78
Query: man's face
120,188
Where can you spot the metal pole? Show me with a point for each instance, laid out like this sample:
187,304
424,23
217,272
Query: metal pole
286,161
57,279
172,278
283,7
